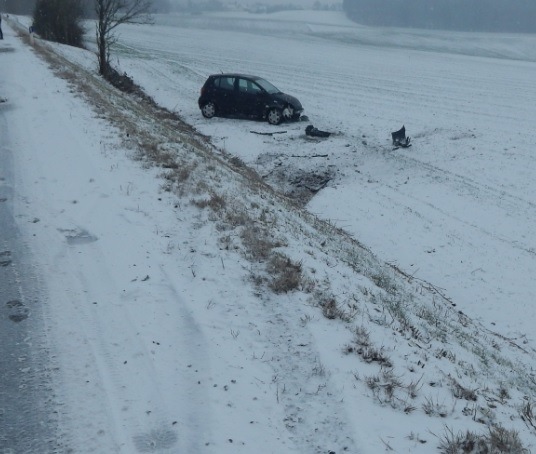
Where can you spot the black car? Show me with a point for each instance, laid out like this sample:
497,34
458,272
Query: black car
247,96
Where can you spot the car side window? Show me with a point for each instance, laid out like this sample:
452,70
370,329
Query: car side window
248,86
255,89
225,83
243,85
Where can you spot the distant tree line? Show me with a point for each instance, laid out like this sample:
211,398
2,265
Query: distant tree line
27,7
467,15
59,20
62,21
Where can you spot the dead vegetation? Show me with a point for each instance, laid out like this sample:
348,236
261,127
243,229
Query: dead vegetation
285,274
497,441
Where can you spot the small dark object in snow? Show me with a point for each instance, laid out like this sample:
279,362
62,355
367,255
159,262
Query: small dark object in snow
314,132
399,135
400,139
268,133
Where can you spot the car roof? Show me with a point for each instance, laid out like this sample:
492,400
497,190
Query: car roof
245,76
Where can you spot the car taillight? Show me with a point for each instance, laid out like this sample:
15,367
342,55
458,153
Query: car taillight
202,90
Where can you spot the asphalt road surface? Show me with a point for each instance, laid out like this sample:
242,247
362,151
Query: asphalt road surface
26,409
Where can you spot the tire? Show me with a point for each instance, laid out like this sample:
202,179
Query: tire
274,116
209,109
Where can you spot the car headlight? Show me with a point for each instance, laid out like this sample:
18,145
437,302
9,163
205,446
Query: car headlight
288,111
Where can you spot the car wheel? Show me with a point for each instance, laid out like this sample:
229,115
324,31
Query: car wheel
209,109
274,116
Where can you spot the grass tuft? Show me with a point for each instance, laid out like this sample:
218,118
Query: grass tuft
286,275
498,441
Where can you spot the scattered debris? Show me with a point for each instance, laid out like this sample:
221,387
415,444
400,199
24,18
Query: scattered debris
268,133
309,156
315,132
400,139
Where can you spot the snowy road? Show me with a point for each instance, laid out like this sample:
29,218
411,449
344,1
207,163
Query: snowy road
25,423
49,199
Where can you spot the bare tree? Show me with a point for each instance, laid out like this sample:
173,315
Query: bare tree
111,14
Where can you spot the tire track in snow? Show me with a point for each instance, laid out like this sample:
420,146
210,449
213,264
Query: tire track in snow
144,408
130,415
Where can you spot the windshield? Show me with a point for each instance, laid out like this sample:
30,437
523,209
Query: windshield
267,86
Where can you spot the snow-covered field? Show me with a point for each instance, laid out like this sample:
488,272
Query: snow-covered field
162,342
456,209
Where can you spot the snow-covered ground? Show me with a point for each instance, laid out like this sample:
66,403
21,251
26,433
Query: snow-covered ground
456,209
164,336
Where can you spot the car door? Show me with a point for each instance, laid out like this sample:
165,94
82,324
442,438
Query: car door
225,96
250,97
